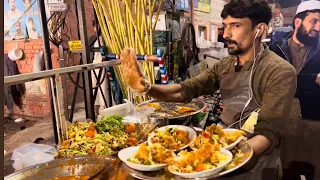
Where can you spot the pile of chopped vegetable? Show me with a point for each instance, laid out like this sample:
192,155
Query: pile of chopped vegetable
106,137
107,124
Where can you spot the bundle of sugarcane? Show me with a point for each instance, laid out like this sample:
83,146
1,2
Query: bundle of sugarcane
125,23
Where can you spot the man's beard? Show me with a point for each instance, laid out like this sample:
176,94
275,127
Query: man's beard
236,49
305,39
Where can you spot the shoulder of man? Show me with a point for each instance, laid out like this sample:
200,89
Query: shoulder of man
274,60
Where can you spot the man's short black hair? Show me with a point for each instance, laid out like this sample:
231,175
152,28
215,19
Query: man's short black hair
258,11
303,15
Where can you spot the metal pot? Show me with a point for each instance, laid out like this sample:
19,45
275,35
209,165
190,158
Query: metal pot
74,166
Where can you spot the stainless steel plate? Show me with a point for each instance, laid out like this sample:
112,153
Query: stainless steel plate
78,166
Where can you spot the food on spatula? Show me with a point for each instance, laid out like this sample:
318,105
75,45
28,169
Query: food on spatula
207,157
152,155
171,138
132,72
183,110
155,106
216,135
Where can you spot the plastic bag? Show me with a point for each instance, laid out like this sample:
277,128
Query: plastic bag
32,154
131,109
134,115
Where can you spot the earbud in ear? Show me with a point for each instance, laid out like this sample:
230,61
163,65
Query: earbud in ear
258,31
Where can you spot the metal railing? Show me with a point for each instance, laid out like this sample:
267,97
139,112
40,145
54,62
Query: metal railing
55,80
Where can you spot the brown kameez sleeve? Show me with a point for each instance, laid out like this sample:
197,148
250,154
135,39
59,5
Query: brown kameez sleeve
205,83
276,105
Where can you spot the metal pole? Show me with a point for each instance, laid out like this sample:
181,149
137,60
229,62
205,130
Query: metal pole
64,83
48,62
86,59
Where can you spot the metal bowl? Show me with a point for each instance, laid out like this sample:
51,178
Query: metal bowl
74,166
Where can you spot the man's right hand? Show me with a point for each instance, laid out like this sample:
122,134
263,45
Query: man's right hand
132,72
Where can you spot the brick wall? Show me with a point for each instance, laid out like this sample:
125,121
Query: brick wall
36,99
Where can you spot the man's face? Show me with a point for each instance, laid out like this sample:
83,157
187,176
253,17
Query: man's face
27,3
309,29
30,24
239,35
18,27
12,4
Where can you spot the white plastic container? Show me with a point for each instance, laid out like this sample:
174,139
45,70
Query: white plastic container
120,110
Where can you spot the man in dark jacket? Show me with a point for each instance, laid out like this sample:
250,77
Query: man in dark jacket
302,50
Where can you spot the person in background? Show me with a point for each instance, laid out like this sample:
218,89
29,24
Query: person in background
13,11
302,50
19,33
32,31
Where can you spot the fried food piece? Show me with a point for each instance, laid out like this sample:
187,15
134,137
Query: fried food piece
130,128
143,152
132,141
155,106
182,136
182,110
132,71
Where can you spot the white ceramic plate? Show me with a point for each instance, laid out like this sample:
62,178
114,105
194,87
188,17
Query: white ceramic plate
245,148
229,147
126,153
209,172
192,134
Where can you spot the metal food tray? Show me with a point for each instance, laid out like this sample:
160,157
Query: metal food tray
200,106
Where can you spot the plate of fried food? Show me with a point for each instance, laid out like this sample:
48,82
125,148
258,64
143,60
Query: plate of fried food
173,137
146,157
227,138
173,110
209,160
242,153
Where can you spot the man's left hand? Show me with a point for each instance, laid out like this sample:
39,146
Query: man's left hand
318,79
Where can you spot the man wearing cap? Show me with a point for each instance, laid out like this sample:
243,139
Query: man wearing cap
302,50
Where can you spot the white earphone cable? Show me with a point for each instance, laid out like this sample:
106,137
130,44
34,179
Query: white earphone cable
250,91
